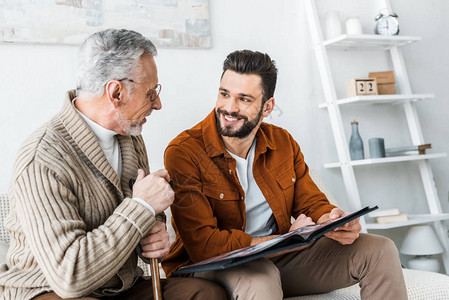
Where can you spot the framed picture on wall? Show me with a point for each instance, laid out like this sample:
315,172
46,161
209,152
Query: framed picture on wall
168,23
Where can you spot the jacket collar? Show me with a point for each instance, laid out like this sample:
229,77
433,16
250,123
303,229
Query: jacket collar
264,141
89,145
214,143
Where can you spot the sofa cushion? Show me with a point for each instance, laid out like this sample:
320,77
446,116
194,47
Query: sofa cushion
420,285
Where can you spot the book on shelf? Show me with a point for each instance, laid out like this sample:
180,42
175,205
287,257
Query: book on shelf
384,212
392,219
290,241
408,150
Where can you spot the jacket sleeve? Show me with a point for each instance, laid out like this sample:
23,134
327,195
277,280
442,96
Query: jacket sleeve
192,213
309,200
74,260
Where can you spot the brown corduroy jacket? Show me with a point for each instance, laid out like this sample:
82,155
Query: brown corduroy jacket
209,208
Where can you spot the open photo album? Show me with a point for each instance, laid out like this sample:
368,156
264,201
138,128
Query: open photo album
293,239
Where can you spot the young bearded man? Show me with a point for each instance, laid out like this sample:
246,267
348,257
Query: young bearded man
238,181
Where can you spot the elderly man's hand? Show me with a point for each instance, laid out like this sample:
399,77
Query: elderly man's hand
154,189
156,243
345,234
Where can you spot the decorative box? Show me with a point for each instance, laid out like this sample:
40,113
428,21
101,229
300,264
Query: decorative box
385,82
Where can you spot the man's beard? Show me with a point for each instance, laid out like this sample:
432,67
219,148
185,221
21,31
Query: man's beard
130,127
246,128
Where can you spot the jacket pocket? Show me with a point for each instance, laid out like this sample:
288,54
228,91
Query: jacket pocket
224,203
287,182
287,179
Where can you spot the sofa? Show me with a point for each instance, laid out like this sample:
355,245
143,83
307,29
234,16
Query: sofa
421,285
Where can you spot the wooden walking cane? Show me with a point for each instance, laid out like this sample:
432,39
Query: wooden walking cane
154,263
154,267
155,279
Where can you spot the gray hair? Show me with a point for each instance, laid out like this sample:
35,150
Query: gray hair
108,55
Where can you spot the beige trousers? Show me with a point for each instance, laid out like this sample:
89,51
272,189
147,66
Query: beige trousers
372,261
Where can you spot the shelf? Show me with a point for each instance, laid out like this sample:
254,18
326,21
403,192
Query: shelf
382,160
391,46
412,220
379,99
369,41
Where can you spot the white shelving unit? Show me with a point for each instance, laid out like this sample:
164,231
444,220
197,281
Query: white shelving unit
379,99
382,160
412,220
369,41
406,98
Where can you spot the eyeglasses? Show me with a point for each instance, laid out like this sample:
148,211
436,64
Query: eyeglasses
152,93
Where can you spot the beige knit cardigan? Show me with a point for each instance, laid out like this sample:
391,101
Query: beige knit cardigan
74,228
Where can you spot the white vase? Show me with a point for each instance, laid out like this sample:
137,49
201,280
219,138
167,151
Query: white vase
353,26
333,27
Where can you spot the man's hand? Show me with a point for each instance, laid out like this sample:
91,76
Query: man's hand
301,221
156,243
154,189
345,234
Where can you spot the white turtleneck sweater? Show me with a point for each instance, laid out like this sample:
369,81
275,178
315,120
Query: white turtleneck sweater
108,142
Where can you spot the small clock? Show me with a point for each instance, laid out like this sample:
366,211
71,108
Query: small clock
387,23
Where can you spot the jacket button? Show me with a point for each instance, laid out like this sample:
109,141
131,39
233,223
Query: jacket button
293,179
230,171
242,197
221,196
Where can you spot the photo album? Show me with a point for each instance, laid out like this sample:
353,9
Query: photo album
293,239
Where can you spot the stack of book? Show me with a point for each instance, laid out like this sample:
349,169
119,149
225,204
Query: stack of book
389,215
407,150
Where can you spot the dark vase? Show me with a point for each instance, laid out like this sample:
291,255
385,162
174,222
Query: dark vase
356,143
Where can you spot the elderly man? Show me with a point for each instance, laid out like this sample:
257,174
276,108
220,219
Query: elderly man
76,224
238,181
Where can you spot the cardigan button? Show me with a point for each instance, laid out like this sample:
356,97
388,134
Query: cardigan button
230,171
293,179
221,196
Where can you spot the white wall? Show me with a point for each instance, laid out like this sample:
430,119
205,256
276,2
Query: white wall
34,78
